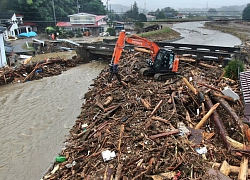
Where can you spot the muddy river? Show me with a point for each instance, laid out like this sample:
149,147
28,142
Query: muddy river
36,116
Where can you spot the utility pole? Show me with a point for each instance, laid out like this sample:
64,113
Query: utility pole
53,5
78,6
107,4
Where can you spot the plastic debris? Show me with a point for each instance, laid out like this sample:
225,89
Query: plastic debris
229,92
202,150
108,155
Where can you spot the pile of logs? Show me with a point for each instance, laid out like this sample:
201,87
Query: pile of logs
184,128
35,70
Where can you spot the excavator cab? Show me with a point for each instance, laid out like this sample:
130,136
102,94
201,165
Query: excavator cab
164,61
165,65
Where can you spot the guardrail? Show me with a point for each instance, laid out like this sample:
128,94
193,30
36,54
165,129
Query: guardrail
245,87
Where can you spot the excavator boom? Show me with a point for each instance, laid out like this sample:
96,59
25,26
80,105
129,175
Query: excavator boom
134,40
120,43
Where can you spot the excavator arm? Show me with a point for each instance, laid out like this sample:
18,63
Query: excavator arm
134,40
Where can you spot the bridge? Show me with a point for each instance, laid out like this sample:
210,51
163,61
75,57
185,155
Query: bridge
90,51
224,18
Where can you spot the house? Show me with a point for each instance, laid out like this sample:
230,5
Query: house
181,16
150,18
91,23
14,25
3,61
9,21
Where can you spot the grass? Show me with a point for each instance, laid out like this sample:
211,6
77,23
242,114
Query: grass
24,46
165,33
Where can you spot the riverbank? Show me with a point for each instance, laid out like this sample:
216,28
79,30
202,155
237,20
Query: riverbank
238,29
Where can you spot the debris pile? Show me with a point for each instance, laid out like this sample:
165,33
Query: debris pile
42,47
37,70
184,128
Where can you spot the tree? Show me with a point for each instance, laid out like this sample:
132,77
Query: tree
3,6
160,15
212,11
246,13
92,7
42,10
111,31
135,11
169,12
113,16
142,17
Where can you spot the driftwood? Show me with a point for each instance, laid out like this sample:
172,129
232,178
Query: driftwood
233,169
30,74
229,110
210,87
203,120
190,86
147,127
26,72
174,131
223,96
243,172
219,125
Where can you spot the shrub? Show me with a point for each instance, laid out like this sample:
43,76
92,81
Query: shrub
233,69
111,31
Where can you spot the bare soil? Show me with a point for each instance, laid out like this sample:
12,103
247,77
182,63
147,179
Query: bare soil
237,28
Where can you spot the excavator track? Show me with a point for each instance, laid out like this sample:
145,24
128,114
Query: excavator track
164,76
145,71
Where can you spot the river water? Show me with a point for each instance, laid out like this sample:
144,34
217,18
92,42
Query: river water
36,116
194,33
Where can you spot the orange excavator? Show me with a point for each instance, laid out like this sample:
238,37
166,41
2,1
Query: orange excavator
162,64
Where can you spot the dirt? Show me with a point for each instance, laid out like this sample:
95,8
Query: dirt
237,28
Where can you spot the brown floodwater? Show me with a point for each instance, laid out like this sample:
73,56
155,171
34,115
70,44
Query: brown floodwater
36,116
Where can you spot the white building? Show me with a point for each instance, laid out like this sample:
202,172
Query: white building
86,22
3,61
10,21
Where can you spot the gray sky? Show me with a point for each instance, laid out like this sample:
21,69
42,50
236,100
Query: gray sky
176,4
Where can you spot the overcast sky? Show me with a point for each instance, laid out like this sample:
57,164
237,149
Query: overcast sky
176,4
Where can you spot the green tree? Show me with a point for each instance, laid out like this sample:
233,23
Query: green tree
113,16
92,7
42,10
169,12
233,69
160,15
142,17
212,11
135,11
246,13
3,6
111,31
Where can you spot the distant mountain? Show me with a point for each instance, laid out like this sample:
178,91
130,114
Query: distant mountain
226,9
120,9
